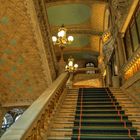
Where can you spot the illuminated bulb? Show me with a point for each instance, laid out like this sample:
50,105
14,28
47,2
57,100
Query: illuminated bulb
61,33
76,66
54,38
66,66
70,63
70,38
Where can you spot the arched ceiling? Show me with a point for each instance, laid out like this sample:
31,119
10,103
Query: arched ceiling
84,21
68,14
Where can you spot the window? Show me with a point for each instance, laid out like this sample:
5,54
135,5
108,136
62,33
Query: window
90,65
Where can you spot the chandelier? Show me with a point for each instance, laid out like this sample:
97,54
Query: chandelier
71,67
62,40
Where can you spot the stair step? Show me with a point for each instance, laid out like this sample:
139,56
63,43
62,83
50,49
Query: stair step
104,130
108,123
59,138
104,137
101,117
99,111
98,107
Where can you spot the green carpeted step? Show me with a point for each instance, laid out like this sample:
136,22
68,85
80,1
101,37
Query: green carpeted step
99,112
104,130
85,107
96,99
95,96
100,117
110,137
91,117
108,123
97,103
100,106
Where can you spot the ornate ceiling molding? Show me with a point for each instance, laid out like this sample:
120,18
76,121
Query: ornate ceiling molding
45,32
120,10
88,2
78,30
84,31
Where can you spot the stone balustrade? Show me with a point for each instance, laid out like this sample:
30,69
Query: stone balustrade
34,123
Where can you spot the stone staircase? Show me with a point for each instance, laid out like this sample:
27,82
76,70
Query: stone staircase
62,126
106,115
132,109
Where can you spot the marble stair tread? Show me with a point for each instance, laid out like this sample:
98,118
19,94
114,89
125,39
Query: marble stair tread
60,133
61,127
59,138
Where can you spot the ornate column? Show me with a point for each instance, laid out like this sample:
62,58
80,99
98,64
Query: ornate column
108,75
120,46
117,56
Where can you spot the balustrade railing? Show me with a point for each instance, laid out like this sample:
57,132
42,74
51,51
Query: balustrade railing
88,76
88,70
34,123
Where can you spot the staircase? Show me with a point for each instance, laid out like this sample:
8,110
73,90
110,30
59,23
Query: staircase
62,125
93,114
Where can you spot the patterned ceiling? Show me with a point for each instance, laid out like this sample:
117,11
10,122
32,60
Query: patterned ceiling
68,14
84,21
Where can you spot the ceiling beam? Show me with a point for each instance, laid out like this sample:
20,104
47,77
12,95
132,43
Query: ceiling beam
85,31
75,1
79,30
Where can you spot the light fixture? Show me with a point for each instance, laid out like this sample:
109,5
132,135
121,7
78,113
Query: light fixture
62,41
71,67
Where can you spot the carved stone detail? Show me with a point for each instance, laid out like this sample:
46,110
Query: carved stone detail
44,26
120,8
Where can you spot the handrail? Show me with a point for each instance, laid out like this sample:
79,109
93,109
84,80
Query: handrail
35,119
87,69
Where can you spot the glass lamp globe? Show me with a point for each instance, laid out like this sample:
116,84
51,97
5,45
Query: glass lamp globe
76,66
70,38
61,33
70,63
54,38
